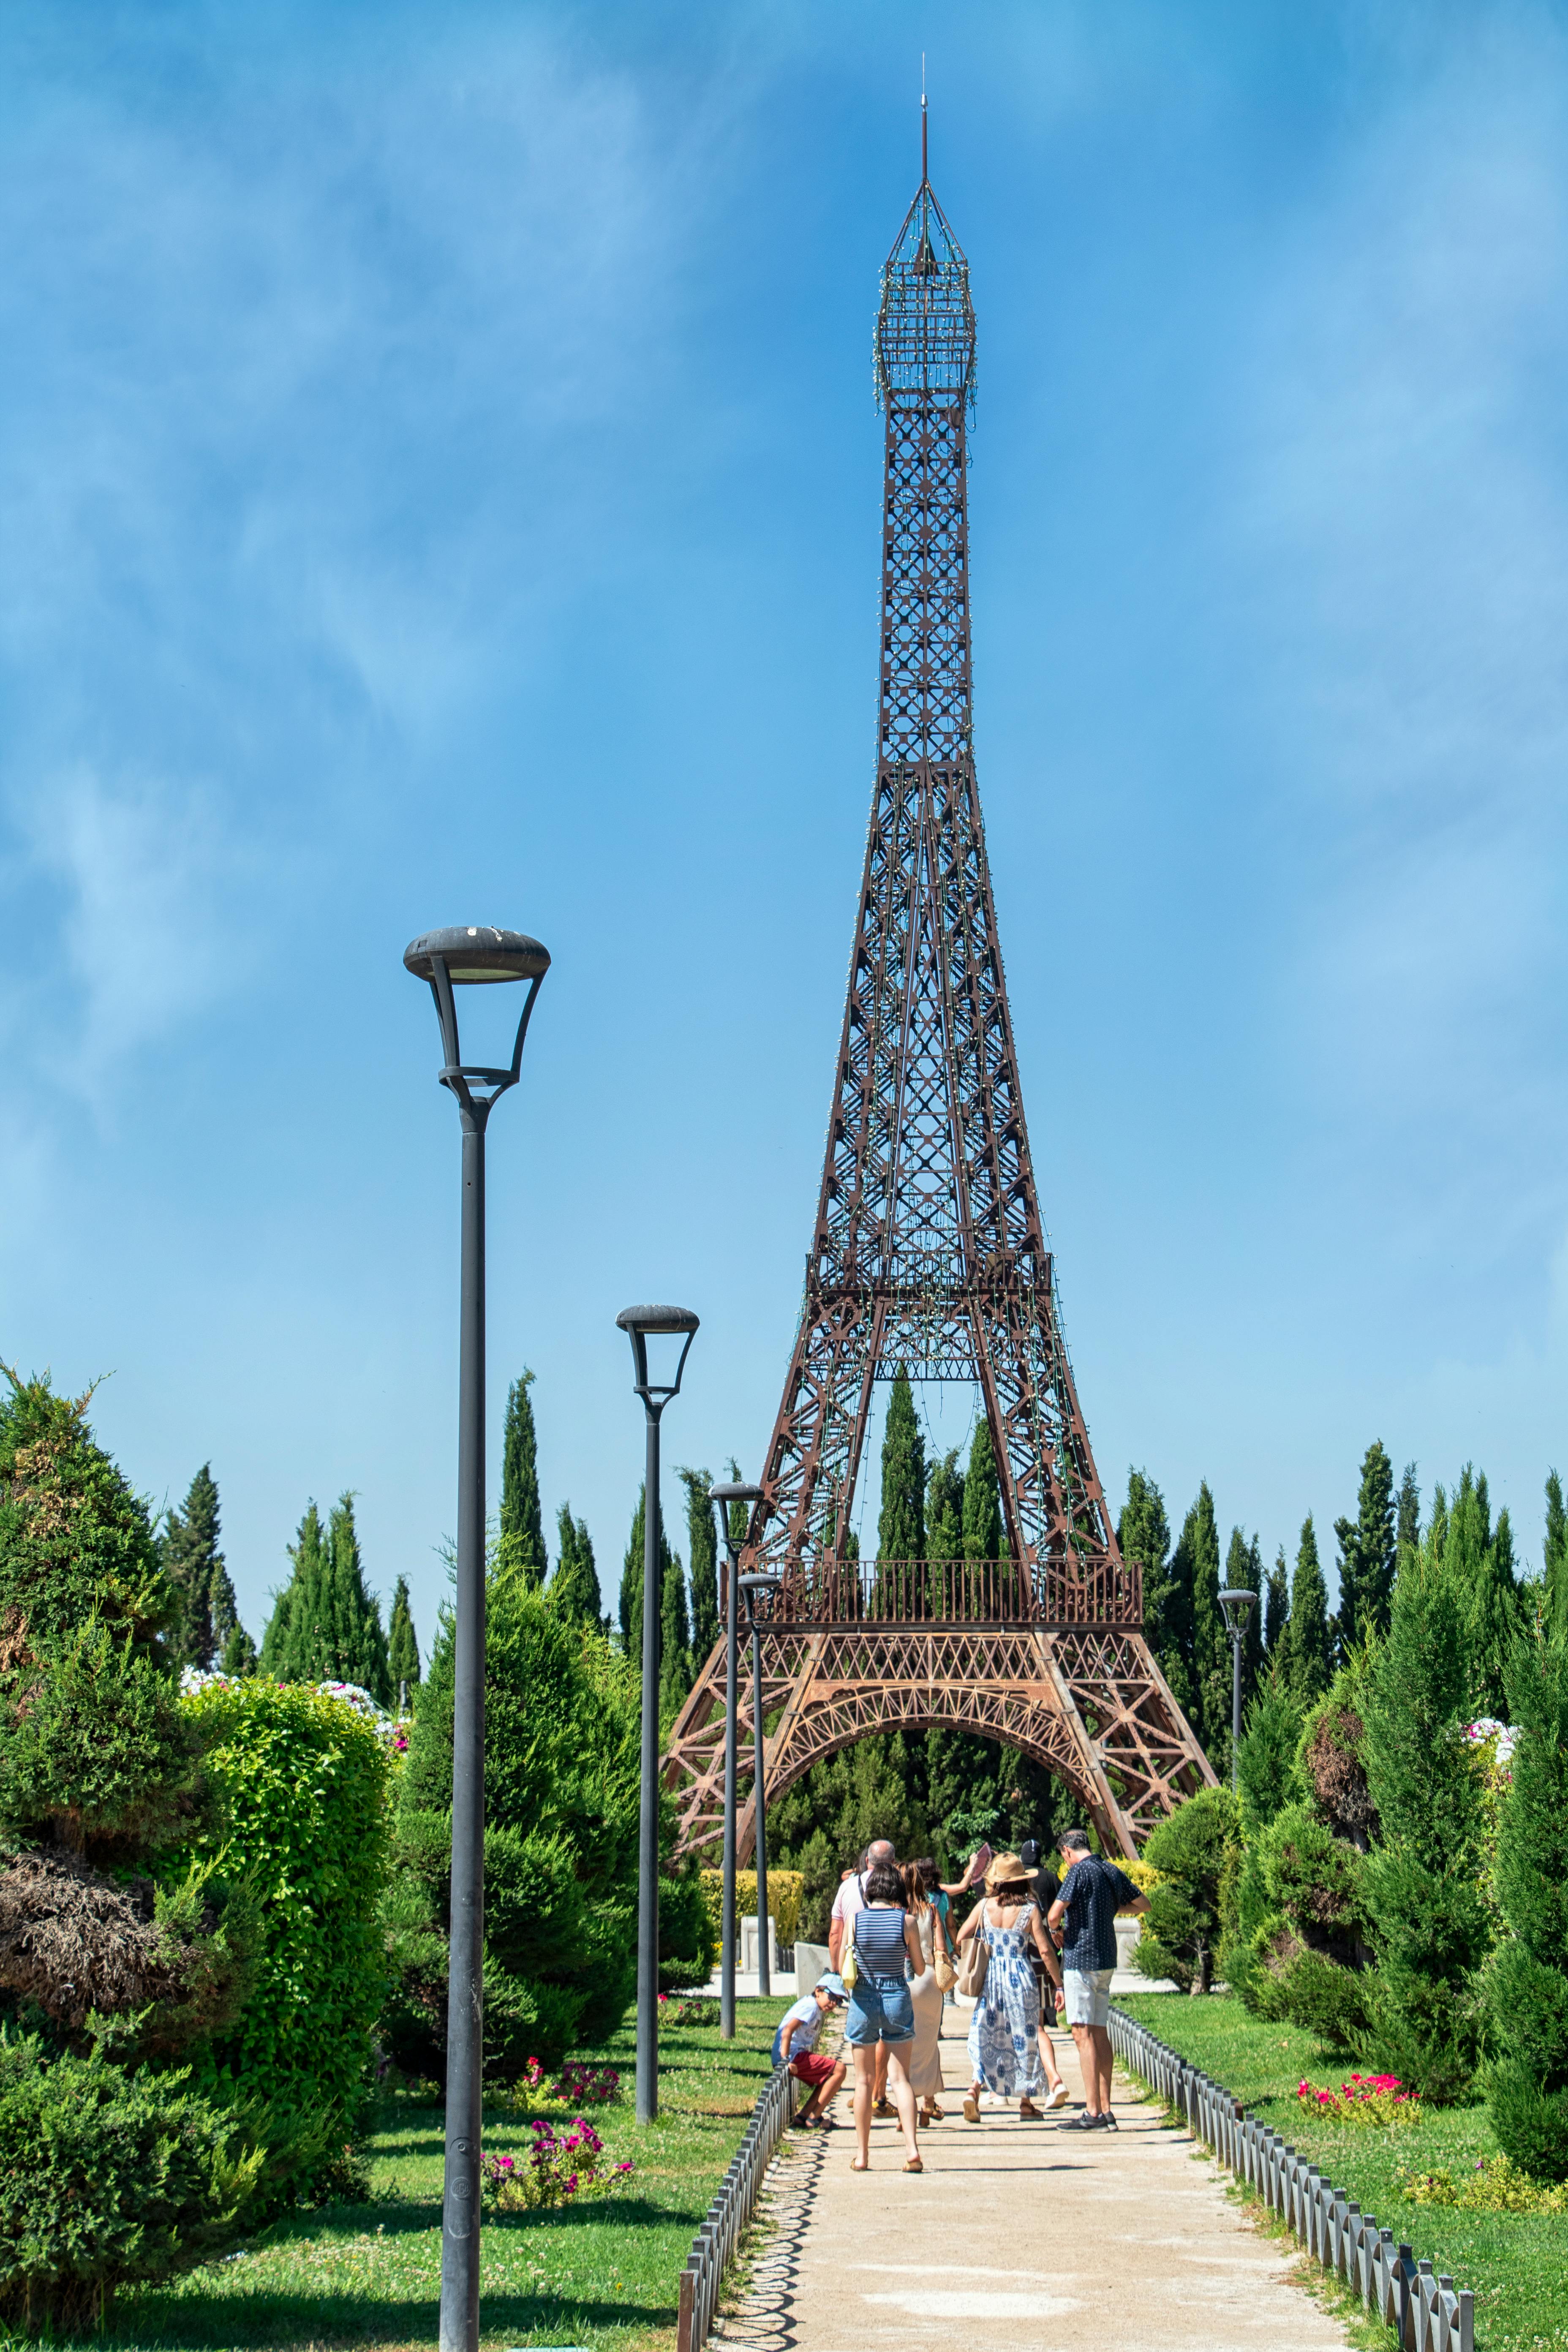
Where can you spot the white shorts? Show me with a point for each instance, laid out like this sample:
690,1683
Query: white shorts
1088,1995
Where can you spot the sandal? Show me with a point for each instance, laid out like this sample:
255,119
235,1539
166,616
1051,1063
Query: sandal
1028,2112
971,2108
857,2165
915,2165
932,2114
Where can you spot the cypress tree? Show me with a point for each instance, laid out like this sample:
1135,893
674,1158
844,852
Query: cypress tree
293,1648
1252,1642
674,1644
358,1635
1309,1646
1556,1559
702,1550
522,1524
238,1654
900,1525
574,1586
981,1502
1407,1522
1421,1880
1479,1562
945,1508
1196,1566
194,1564
1277,1609
1243,1564
632,1580
402,1644
1144,1534
1528,1983
1368,1549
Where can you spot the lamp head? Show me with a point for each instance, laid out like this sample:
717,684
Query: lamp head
734,1493
761,1585
477,951
667,1323
1236,1606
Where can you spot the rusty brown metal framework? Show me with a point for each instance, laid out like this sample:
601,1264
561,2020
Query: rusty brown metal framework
928,1251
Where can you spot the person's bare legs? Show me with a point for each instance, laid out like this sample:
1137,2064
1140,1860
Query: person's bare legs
881,2073
903,2093
1100,2038
865,2068
1087,2059
817,2105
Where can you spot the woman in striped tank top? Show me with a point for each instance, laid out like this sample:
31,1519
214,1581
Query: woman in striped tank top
885,1940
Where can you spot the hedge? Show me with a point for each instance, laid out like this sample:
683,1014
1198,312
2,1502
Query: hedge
306,1779
786,1889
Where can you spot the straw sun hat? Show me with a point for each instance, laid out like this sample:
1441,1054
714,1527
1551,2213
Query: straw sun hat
1003,1871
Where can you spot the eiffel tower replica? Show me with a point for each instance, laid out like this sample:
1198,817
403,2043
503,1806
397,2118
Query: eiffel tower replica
929,1254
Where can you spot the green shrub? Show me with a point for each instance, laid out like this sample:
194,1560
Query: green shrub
1268,1780
1420,1883
1191,1850
1527,1984
785,1888
306,1779
562,1764
106,2178
116,1953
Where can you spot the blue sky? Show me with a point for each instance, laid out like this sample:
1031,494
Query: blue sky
440,478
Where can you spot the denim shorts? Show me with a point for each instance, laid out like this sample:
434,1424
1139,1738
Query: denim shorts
880,2010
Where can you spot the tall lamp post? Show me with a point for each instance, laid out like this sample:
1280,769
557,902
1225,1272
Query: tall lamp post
760,1587
642,1324
460,957
721,1497
1236,1606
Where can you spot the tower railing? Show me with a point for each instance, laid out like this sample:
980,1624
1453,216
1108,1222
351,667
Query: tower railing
828,1591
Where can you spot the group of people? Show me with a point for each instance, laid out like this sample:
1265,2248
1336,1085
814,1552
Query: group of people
894,1958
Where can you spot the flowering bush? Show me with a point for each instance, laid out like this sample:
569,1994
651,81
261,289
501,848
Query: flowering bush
577,2085
558,2166
1486,1729
391,1730
1378,2100
1492,2185
673,2011
586,2086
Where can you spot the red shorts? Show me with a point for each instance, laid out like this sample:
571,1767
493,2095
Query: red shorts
811,2067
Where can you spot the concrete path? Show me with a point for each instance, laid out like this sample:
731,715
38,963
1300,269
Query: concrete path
1026,2235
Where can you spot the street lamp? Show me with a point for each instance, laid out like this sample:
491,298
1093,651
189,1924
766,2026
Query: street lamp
459,957
1236,1607
760,1587
721,1497
642,1324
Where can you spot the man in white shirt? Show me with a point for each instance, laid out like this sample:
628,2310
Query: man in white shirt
850,1898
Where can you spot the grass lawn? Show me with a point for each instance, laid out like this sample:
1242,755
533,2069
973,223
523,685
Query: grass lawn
604,2273
1515,2264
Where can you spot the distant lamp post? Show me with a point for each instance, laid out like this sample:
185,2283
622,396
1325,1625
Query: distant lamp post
721,1497
672,1330
760,1588
460,957
1236,1607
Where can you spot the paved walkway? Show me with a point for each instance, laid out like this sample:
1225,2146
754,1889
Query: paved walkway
1018,2234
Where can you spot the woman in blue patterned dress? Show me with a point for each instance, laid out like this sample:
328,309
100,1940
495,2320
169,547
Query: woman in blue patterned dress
1003,2033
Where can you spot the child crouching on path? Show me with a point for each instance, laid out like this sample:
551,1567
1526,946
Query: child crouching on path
795,2046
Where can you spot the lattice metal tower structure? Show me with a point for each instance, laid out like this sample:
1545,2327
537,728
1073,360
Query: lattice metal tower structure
929,1250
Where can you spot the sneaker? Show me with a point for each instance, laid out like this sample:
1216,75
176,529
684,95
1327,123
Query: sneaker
1083,2121
1107,2122
1059,2097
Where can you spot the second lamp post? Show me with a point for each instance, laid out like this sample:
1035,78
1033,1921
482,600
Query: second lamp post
723,1498
1235,1606
760,1587
672,1326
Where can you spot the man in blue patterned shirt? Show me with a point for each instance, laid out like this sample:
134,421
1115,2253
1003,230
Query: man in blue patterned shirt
1093,1892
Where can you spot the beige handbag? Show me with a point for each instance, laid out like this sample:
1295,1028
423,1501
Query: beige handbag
976,1959
941,1957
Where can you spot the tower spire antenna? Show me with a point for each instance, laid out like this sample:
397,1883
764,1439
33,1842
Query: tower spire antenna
925,174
